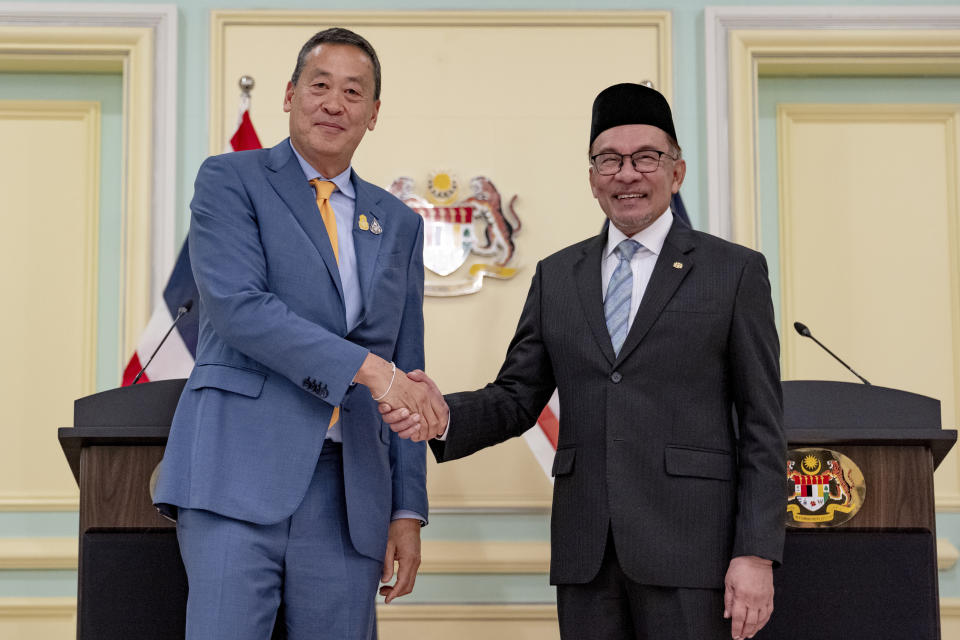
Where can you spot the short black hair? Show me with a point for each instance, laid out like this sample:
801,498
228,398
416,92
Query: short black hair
339,35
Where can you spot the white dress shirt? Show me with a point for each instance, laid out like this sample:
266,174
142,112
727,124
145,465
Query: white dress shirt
651,242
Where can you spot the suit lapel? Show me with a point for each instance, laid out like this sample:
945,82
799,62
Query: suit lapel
286,177
664,280
588,278
366,244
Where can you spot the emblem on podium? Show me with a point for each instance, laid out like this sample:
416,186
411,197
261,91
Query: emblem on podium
824,488
464,239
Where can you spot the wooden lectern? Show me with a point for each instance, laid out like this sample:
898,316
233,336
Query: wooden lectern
874,576
131,580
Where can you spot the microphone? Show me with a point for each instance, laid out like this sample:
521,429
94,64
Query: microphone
805,332
182,311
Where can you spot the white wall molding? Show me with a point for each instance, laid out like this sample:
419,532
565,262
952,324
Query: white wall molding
720,22
162,20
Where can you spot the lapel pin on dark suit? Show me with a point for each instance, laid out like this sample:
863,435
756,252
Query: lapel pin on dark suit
678,265
375,227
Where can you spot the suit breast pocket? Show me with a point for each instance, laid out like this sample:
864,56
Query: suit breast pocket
396,260
690,304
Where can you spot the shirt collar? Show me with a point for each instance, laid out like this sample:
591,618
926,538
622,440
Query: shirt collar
342,180
651,237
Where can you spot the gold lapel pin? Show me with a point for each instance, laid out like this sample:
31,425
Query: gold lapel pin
678,265
364,225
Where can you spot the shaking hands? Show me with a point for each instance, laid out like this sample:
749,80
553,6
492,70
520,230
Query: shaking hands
408,423
411,403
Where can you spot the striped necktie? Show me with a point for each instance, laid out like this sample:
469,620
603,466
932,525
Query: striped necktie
616,308
324,188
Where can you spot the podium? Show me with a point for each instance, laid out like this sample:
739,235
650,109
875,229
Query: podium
131,580
874,576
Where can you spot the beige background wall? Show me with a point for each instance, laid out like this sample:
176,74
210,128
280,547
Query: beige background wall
48,252
869,248
479,94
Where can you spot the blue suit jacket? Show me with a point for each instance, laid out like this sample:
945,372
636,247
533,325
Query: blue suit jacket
274,356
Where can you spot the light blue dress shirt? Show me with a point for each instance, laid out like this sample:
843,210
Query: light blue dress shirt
344,203
343,200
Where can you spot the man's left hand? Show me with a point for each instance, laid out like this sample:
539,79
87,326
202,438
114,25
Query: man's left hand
403,547
748,598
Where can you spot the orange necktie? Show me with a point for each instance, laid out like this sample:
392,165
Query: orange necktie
324,188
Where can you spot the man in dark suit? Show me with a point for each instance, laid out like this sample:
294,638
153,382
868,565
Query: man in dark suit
287,485
668,498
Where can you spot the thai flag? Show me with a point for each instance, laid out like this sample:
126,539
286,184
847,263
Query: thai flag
175,359
542,438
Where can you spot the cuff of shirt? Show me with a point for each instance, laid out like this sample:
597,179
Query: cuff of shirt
443,436
406,513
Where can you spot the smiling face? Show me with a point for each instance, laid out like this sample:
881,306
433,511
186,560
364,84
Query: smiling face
631,200
332,106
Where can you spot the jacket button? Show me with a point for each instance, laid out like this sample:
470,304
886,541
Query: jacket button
616,377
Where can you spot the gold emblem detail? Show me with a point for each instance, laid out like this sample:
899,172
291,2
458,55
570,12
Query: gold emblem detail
443,186
826,488
466,239
364,225
678,265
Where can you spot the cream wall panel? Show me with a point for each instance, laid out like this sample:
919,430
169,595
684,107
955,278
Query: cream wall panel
468,622
41,552
50,249
950,618
869,248
504,95
38,618
55,619
439,556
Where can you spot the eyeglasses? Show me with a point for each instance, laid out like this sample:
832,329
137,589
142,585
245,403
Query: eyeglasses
644,161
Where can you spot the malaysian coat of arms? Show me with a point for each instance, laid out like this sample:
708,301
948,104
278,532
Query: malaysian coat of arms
465,239
824,488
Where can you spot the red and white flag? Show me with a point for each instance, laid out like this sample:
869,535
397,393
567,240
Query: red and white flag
542,437
245,136
175,359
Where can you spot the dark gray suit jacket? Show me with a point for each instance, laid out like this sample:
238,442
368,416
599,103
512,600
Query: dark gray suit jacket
648,440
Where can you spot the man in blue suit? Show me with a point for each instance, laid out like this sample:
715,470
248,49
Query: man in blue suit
286,484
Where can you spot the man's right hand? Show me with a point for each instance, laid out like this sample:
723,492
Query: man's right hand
409,424
417,396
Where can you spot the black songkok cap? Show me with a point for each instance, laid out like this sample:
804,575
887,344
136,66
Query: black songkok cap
629,103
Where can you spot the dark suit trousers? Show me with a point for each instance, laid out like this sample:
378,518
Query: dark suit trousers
613,607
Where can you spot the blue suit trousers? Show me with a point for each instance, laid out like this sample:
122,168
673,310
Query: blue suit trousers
239,572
